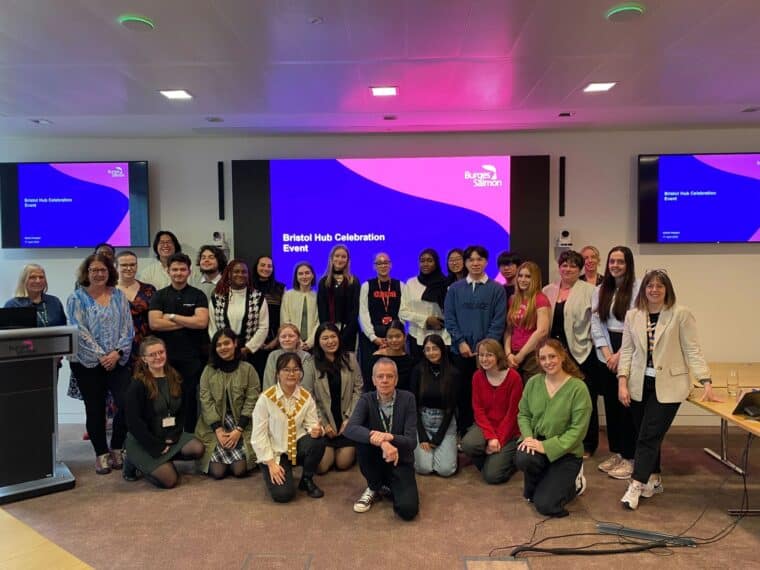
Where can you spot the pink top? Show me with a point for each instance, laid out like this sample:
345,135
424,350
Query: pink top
495,407
520,335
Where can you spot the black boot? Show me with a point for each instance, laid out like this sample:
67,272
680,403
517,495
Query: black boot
130,471
307,484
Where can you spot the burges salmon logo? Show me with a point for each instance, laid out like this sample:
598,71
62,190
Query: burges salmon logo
488,177
116,172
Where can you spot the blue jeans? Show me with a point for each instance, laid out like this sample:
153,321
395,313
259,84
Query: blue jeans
441,459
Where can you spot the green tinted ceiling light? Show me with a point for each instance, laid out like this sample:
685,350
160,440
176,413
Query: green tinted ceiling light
136,22
625,12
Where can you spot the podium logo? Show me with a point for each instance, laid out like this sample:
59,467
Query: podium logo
24,347
487,177
116,172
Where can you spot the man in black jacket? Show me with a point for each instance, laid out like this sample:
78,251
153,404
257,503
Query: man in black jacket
384,425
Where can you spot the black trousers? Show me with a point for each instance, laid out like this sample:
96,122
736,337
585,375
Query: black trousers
652,420
550,485
94,384
400,479
466,367
309,452
190,369
621,430
594,378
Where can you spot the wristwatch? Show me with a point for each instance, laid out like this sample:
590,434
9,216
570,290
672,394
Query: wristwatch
171,316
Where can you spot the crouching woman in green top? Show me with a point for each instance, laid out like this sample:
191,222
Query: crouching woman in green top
155,418
553,416
229,389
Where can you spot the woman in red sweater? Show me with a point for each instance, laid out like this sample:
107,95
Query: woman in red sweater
496,390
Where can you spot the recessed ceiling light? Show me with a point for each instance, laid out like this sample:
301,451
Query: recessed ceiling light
751,110
599,87
625,12
41,121
566,114
384,91
178,94
316,20
136,22
214,119
389,117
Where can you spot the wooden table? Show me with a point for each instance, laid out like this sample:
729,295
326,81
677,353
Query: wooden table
724,411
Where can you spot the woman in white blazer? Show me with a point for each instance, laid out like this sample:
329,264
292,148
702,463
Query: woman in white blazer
571,325
659,349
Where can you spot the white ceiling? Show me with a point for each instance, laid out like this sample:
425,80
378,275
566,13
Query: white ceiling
460,65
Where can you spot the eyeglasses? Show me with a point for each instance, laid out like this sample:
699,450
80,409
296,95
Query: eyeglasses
291,371
156,354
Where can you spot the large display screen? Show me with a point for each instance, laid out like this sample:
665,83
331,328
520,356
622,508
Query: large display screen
699,198
394,205
74,204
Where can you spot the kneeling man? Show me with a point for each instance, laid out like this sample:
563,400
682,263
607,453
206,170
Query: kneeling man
384,424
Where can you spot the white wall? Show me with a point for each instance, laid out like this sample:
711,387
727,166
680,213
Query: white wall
716,281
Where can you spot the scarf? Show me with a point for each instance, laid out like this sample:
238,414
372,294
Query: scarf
435,287
301,396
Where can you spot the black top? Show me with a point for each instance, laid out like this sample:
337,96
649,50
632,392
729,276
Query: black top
404,365
651,325
366,417
558,323
383,304
340,304
509,290
431,396
334,383
145,416
185,343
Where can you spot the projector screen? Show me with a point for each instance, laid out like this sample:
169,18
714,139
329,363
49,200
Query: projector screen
699,198
298,209
74,204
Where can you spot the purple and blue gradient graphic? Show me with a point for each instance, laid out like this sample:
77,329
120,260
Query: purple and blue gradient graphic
709,198
395,205
74,205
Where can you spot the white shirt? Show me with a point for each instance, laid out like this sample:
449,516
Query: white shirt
269,436
415,312
483,280
202,282
235,311
155,274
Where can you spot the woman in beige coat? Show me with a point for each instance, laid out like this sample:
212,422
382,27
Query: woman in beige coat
337,388
229,389
659,350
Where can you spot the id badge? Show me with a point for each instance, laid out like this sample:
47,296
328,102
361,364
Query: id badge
651,372
169,421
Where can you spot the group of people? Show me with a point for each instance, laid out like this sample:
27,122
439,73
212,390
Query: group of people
218,363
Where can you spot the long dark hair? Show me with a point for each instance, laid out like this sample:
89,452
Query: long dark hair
609,289
321,362
447,369
270,286
217,361
143,374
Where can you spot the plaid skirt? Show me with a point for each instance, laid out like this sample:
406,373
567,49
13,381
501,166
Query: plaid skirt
229,456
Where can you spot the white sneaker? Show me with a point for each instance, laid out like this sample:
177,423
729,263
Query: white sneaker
580,483
623,470
653,486
365,502
631,498
610,463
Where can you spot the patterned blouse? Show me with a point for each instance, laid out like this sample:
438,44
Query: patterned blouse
101,329
139,309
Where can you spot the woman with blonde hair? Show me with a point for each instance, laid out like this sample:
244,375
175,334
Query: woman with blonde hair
288,340
527,321
491,441
338,296
555,410
31,291
155,419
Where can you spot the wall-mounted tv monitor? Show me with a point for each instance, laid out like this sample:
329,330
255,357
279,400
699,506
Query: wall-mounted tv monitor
74,204
699,198
298,209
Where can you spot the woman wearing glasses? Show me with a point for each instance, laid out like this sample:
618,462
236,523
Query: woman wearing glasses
228,391
286,433
31,291
155,416
660,348
101,313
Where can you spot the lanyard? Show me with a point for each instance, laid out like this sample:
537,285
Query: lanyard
386,419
